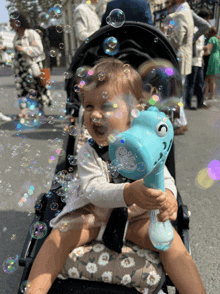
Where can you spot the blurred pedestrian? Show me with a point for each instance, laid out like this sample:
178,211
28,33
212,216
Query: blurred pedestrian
196,76
86,21
206,57
181,39
134,10
2,116
213,49
28,62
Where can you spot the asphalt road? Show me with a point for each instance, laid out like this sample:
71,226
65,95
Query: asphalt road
28,159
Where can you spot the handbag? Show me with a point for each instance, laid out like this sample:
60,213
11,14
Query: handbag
44,78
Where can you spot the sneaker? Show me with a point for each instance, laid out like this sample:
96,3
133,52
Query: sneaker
4,117
180,130
204,105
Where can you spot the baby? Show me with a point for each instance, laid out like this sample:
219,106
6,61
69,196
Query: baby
108,105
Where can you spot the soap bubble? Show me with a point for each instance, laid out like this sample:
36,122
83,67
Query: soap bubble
32,93
111,46
53,53
10,265
66,75
73,131
180,56
13,12
29,79
64,226
61,46
72,159
101,75
116,18
86,78
17,23
162,83
30,118
44,19
38,230
168,30
104,95
156,40
25,287
59,29
54,206
67,29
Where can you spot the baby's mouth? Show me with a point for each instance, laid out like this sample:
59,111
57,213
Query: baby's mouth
100,130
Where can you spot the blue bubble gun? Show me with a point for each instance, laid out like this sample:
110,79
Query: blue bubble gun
141,152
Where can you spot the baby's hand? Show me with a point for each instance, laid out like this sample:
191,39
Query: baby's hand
170,209
143,196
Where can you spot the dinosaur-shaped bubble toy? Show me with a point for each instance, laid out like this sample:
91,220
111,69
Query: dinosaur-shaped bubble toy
141,152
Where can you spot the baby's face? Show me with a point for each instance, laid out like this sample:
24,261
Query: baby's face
105,114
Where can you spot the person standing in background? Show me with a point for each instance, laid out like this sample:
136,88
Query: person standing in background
86,21
181,39
196,76
212,48
134,10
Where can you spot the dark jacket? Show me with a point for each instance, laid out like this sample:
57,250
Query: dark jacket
134,10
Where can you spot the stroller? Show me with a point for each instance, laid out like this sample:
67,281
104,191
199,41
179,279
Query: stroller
138,43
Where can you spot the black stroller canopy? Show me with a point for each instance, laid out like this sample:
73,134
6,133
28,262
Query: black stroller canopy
138,43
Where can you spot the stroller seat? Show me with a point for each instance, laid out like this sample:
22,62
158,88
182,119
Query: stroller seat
138,42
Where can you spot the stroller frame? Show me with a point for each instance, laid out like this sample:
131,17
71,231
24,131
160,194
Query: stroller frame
45,214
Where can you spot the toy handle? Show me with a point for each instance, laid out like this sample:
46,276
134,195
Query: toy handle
161,234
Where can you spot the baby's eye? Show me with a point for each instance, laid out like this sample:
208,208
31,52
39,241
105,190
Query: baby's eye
88,106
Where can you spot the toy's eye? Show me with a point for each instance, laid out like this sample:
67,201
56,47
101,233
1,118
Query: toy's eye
161,129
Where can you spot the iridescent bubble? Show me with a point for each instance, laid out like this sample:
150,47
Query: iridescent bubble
156,40
104,95
58,9
76,88
13,12
73,131
17,23
10,265
30,118
116,18
53,53
180,56
111,46
87,41
135,112
85,78
66,75
51,120
101,75
32,93
140,167
38,230
162,83
54,206
67,29
72,159
29,79
168,30
25,287
38,206
59,29
43,19
61,46
64,226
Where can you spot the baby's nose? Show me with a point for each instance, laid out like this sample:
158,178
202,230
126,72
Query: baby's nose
96,115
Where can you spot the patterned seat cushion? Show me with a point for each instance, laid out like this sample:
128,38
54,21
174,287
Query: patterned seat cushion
134,267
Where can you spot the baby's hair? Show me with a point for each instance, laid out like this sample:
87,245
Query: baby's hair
122,76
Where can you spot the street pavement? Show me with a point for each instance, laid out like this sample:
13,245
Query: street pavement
28,158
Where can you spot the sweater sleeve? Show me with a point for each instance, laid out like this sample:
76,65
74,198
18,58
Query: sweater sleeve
179,31
94,178
169,182
35,47
81,26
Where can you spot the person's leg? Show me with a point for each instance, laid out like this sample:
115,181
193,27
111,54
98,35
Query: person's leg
190,85
53,254
182,121
212,86
176,261
206,87
199,87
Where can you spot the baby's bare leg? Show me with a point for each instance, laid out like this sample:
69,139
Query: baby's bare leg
53,254
176,261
